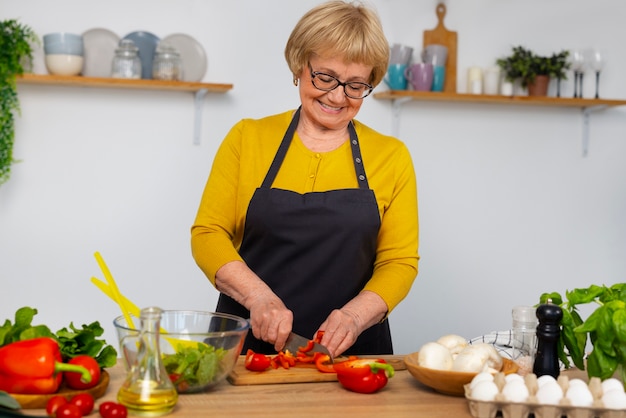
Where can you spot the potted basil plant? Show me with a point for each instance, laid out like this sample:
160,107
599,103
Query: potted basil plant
605,328
15,50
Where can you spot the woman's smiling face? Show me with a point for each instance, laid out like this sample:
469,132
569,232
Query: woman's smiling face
331,110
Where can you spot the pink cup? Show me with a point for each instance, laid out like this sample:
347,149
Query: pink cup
420,76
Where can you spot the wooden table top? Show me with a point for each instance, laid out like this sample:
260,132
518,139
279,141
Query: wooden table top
402,397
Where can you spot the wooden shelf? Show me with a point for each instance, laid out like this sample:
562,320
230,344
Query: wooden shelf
199,89
508,100
399,97
122,83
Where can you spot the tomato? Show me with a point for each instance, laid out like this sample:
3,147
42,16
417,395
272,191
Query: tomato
113,410
257,362
72,379
53,404
105,407
68,410
84,402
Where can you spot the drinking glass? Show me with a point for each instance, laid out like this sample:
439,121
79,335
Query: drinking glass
597,59
578,66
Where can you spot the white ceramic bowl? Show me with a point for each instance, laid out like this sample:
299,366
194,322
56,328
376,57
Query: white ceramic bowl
63,64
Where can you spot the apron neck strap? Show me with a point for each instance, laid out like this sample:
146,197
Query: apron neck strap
284,146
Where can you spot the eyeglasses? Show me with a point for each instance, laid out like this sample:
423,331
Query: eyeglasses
327,82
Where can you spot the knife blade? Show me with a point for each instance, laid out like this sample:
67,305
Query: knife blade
295,342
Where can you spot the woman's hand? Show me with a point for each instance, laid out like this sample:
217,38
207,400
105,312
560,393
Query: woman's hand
270,319
343,326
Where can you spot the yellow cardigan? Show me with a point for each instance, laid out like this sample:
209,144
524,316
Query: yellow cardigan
244,158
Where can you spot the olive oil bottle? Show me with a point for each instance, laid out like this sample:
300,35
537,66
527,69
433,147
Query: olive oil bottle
148,390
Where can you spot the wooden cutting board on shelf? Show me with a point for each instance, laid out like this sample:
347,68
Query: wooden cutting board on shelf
302,373
442,36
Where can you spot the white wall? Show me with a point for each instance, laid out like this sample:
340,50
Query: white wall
509,208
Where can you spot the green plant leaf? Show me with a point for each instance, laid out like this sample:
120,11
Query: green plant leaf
15,47
8,401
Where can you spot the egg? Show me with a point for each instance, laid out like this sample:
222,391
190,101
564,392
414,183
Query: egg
614,399
549,392
481,377
513,377
579,395
546,378
612,384
515,391
485,391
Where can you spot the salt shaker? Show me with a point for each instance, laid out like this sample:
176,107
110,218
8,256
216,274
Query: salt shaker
548,333
523,334
167,64
126,62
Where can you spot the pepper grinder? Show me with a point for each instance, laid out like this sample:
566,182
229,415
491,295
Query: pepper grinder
548,332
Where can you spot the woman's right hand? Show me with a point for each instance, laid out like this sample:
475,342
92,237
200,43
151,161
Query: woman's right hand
270,320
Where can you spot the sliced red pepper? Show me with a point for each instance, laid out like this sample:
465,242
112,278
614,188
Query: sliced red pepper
363,375
304,358
283,359
309,347
318,336
322,362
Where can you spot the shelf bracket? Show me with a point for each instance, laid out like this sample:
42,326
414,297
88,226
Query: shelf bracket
586,111
197,121
396,107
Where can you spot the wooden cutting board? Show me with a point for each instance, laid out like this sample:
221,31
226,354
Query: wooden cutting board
442,36
302,373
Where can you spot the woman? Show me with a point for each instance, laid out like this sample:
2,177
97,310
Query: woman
308,220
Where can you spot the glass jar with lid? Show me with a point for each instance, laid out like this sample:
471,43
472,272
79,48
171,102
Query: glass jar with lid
167,64
126,62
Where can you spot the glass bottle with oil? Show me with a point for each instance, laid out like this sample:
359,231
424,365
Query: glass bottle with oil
148,390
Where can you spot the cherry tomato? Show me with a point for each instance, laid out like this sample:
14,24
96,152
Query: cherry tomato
72,379
84,402
257,362
105,407
53,404
113,410
68,410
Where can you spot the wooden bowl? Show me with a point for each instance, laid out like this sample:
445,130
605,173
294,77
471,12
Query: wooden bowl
40,401
447,382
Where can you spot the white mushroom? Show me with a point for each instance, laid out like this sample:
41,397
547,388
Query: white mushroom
478,358
454,343
434,356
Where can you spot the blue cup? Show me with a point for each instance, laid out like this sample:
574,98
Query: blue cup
439,77
395,78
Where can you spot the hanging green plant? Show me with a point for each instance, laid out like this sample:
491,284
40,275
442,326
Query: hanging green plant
15,49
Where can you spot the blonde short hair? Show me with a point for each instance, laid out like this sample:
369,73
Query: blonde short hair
336,28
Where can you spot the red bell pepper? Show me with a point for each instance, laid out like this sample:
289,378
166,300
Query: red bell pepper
363,375
34,367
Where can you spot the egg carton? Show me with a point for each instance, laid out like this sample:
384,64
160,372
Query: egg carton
532,408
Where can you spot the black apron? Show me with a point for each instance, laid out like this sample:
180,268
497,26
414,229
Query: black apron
315,250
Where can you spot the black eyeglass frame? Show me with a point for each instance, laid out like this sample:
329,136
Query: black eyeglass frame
314,74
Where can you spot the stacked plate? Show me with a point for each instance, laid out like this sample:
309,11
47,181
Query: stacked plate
100,45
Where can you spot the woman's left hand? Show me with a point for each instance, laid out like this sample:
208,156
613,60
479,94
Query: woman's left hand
343,326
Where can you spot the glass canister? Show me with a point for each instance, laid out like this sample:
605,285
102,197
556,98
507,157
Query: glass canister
148,390
524,335
167,64
126,62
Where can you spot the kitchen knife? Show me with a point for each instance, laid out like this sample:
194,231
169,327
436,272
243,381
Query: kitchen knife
295,341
